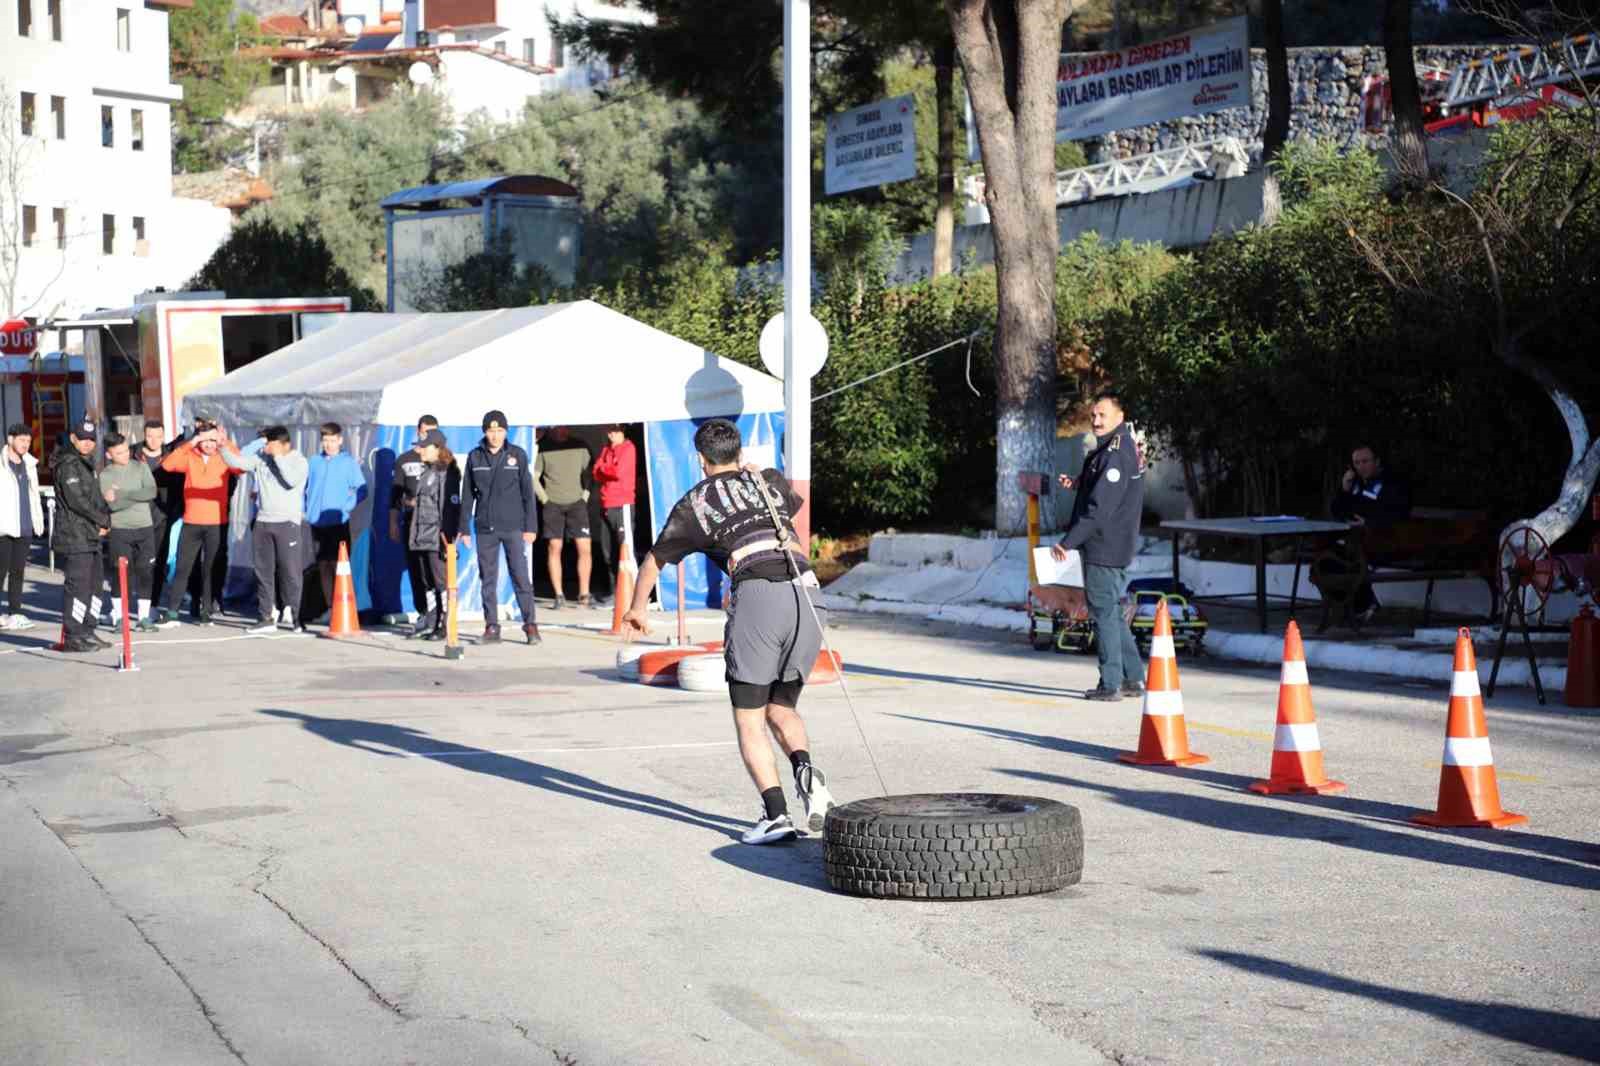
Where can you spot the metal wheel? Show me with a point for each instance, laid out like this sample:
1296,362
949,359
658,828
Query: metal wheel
1528,574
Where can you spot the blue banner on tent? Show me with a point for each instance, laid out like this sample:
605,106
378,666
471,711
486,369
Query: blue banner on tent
674,469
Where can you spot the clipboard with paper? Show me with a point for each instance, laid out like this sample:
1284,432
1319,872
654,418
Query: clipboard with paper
1051,571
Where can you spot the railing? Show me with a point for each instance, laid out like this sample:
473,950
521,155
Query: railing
1224,157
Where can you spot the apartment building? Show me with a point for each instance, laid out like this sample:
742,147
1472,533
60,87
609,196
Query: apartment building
87,106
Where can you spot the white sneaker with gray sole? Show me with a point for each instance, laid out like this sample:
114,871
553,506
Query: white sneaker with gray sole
770,831
813,789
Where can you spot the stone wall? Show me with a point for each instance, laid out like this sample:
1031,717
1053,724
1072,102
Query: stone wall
1324,85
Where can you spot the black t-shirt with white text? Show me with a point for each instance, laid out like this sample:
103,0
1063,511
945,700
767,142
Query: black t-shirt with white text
724,517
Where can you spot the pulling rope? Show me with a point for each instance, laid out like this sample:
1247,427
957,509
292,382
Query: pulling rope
967,340
794,568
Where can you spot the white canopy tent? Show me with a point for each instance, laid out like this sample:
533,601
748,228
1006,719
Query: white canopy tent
560,364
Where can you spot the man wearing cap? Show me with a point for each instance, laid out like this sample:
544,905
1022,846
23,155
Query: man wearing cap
498,505
82,521
276,537
21,519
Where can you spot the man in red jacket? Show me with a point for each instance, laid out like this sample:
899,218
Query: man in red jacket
616,472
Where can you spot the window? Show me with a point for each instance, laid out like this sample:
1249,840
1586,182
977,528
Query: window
58,111
54,8
108,234
136,138
58,215
108,127
139,247
30,225
124,30
27,114
500,48
528,52
558,52
25,18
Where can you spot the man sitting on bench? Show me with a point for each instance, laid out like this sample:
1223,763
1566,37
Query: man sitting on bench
1371,497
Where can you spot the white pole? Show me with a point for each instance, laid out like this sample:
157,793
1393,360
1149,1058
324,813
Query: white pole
797,252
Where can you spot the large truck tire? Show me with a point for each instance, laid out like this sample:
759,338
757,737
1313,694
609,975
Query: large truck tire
955,845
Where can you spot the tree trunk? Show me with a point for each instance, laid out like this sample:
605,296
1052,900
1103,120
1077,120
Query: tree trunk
1009,55
1276,133
944,220
1405,98
1558,519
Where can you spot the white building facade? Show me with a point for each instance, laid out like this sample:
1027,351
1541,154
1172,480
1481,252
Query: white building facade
88,99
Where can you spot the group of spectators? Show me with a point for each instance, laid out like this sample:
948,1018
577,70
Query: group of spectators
123,503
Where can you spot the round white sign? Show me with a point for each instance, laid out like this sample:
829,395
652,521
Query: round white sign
811,346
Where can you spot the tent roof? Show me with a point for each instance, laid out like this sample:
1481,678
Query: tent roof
575,363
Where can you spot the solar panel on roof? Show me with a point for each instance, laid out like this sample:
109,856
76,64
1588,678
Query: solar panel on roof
373,42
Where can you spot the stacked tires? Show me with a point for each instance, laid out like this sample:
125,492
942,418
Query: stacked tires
952,846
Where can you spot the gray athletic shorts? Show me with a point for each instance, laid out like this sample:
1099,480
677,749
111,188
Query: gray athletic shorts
771,636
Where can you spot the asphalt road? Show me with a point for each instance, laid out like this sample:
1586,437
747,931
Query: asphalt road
296,851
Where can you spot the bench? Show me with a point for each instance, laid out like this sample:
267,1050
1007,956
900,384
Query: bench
1432,544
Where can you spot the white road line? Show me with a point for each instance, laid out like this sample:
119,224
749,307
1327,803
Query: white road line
559,751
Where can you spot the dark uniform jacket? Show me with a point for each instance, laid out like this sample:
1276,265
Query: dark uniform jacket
436,507
81,511
499,487
1381,502
1110,501
403,490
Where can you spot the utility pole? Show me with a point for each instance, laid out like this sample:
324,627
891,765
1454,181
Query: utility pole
797,256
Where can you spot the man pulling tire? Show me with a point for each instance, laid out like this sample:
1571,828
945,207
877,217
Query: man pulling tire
773,634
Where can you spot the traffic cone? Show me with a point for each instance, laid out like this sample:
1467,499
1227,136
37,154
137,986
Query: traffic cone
343,620
621,595
61,641
1469,797
1296,747
1163,739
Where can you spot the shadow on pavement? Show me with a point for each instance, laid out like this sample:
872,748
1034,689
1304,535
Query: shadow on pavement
1554,1031
1022,688
398,741
799,863
1258,819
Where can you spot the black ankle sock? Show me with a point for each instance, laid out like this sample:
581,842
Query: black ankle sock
799,758
775,803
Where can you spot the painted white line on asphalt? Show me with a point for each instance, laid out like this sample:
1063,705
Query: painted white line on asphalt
560,751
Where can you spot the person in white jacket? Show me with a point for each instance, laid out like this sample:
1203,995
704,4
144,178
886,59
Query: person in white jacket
21,519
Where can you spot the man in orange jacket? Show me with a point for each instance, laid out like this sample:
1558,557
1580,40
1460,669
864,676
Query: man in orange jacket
206,480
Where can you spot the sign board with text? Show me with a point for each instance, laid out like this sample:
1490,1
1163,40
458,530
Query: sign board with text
871,145
1204,70
17,337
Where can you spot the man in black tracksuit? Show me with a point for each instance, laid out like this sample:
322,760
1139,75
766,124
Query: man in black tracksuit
82,521
402,505
168,507
1105,529
497,504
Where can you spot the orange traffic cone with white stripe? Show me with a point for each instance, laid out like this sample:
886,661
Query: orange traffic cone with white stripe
1296,747
1163,738
1469,796
343,619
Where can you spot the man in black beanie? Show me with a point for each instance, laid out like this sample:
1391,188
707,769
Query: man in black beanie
498,506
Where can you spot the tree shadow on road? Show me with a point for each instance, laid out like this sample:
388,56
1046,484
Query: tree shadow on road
1267,819
398,741
1554,1031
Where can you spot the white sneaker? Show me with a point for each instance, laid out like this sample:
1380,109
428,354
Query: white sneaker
770,831
262,628
286,619
15,621
813,789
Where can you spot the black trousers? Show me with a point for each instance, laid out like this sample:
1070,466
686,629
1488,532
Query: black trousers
619,536
80,594
416,567
161,533
428,565
13,560
138,547
279,549
489,546
195,543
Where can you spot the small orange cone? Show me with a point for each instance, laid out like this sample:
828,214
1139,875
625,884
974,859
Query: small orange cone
1163,739
343,620
621,595
1469,797
1296,747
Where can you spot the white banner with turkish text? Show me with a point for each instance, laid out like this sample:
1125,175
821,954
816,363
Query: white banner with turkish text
871,145
1206,69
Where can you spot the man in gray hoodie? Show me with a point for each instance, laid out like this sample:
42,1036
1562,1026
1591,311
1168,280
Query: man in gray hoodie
277,537
129,488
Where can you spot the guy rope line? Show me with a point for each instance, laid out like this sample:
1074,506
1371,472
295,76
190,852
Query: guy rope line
967,340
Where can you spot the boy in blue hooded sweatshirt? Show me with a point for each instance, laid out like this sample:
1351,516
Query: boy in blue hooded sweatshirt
335,486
